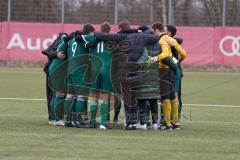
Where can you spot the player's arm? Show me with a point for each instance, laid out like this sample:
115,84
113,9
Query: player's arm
150,38
92,44
179,40
117,37
166,51
179,49
61,47
61,51
89,40
50,53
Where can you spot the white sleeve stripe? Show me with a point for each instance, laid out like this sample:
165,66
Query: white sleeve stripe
98,47
86,44
102,47
84,38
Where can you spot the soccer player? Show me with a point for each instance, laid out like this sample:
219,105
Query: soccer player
102,87
76,78
134,52
171,31
54,57
152,49
169,103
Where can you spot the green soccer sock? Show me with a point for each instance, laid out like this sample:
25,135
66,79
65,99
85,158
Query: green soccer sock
58,104
80,106
52,107
68,105
104,112
93,110
73,109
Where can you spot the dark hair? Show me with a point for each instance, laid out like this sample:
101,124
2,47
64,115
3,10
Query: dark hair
158,26
172,29
105,27
123,25
143,28
88,28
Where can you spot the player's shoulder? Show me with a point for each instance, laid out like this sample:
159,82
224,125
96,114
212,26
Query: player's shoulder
169,39
165,36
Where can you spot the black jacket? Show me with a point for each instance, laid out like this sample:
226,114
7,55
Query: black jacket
154,47
51,51
129,42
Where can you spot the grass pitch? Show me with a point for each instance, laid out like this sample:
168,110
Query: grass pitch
212,133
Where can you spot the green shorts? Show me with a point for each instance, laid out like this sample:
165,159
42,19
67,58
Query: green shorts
103,82
77,83
55,81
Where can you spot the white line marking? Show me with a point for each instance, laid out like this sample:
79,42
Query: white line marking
212,105
215,122
187,104
22,99
22,72
211,73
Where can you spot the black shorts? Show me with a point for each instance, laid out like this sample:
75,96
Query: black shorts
169,80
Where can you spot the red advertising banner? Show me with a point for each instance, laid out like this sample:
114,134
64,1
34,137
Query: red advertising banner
211,45
204,45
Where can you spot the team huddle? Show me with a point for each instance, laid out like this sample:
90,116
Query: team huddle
135,68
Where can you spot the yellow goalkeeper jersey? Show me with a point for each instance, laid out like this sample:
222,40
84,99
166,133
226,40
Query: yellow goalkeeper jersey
164,42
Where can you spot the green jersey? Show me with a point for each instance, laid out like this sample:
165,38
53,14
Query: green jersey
76,48
56,61
75,71
103,81
100,50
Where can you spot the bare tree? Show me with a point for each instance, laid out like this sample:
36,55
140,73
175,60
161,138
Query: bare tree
35,10
164,11
213,8
151,10
186,12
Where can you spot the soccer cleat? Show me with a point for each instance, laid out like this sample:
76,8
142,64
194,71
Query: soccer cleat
78,124
129,127
102,127
155,126
138,125
50,122
143,127
165,127
58,123
134,126
176,126
69,124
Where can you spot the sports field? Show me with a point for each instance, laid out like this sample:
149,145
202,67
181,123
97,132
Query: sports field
211,132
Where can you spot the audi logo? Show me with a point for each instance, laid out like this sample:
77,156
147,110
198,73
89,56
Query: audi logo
235,47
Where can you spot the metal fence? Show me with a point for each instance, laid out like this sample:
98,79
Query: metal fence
178,12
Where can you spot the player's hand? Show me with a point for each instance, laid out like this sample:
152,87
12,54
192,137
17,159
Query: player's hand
175,60
61,55
152,60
